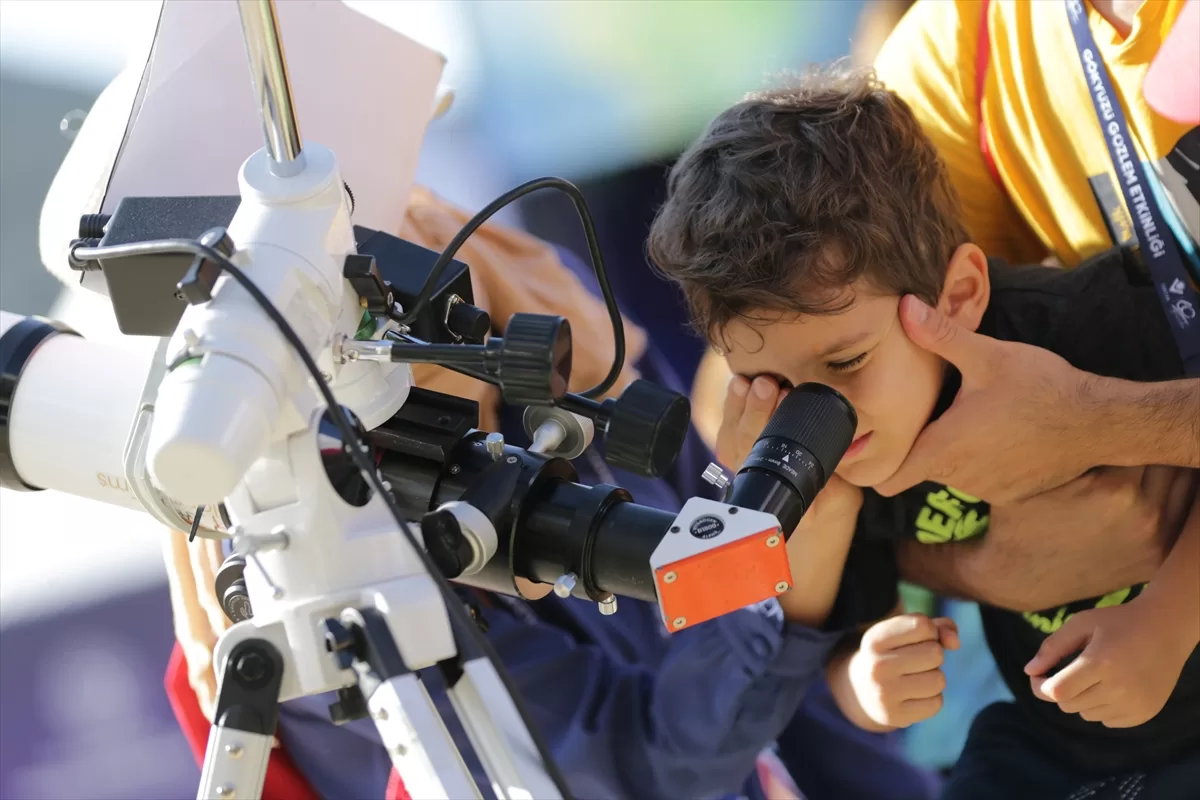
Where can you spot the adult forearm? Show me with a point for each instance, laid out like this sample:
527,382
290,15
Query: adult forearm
1144,423
1011,578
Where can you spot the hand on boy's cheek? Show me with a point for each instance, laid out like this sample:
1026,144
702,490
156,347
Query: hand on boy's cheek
748,407
1013,429
1125,669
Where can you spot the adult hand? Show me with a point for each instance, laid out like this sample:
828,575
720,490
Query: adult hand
1106,530
1131,659
896,673
1015,428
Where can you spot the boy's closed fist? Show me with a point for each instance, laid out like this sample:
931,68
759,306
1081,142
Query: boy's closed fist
748,407
896,673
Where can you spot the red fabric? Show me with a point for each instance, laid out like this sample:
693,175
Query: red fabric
982,58
283,781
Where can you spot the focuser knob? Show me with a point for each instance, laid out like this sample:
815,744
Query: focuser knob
646,428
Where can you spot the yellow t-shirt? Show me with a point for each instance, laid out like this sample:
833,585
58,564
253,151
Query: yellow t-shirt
1041,127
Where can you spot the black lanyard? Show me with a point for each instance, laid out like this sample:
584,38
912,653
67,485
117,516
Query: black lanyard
1159,248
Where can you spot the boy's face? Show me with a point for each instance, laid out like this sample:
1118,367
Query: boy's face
864,353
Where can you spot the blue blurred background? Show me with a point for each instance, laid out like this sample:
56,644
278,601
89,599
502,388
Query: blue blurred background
603,93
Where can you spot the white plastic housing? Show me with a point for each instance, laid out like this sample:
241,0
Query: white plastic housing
215,417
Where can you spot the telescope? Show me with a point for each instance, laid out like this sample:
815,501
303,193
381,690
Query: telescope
279,412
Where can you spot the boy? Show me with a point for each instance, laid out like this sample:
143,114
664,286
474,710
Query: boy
799,226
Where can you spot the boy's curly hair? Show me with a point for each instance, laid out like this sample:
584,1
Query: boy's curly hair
797,192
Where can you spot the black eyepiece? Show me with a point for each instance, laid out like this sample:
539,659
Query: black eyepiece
796,454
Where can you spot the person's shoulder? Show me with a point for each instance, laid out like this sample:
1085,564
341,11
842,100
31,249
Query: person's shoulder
934,37
1103,316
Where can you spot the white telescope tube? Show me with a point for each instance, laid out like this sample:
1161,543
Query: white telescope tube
70,406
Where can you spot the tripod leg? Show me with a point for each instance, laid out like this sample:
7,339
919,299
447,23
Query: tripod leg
497,732
243,731
420,747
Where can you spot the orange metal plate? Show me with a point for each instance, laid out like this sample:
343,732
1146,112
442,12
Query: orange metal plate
716,582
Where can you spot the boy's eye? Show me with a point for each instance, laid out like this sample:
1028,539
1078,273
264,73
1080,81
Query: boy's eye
842,366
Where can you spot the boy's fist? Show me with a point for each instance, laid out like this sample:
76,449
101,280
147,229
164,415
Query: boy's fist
896,673
748,407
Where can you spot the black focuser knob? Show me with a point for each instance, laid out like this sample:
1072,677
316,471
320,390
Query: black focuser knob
448,547
230,585
534,359
646,428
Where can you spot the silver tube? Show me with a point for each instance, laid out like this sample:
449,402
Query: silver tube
268,70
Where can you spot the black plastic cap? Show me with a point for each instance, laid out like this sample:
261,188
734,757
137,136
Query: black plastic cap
470,322
448,548
820,419
646,429
535,359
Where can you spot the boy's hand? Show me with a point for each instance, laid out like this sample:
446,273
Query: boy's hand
748,406
1131,660
896,673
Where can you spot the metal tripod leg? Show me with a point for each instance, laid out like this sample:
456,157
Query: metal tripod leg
497,731
243,731
420,747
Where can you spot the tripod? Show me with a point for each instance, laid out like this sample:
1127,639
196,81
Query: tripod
417,741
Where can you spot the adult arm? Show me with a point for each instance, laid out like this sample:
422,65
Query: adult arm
1144,423
1104,531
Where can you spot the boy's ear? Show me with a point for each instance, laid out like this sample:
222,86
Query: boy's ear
966,291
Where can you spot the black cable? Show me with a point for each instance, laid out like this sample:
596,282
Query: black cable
589,229
355,450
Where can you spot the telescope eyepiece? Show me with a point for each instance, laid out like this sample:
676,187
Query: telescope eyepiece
798,451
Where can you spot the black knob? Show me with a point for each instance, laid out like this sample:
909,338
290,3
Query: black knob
445,542
230,585
535,359
646,429
469,322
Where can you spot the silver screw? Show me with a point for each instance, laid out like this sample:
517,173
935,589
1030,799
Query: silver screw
400,750
669,577
608,607
511,460
455,469
234,750
716,476
566,584
679,622
325,376
227,790
495,445
782,587
772,541
380,714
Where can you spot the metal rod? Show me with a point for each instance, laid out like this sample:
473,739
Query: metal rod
268,70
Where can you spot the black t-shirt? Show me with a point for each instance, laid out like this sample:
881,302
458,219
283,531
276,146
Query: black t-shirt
1104,318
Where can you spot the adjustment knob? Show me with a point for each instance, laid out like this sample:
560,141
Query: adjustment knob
468,322
646,429
447,545
535,359
715,475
